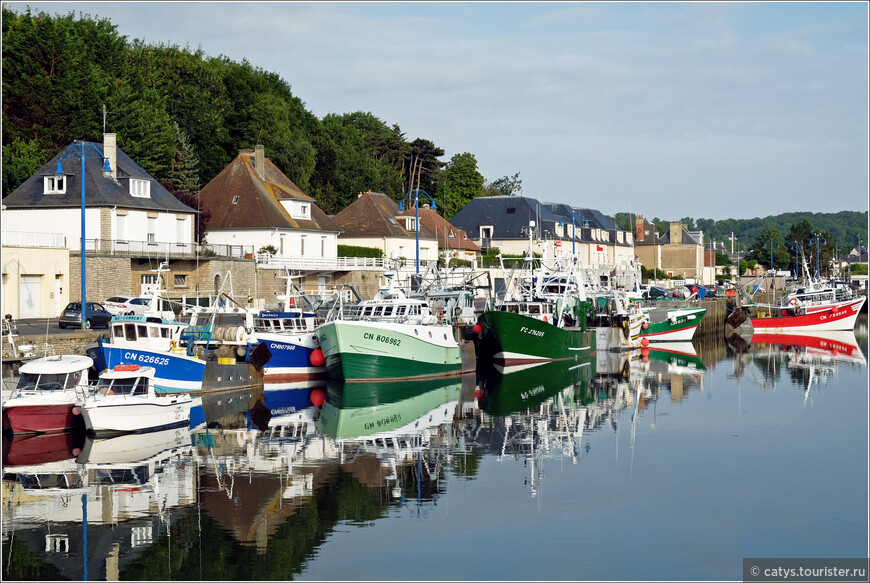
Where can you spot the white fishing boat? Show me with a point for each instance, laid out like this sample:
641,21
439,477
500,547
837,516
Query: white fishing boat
125,401
46,393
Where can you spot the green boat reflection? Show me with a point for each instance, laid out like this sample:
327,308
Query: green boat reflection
506,390
361,409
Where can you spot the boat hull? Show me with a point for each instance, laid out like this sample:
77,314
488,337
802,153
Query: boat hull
125,417
291,359
514,339
359,350
173,373
841,316
678,327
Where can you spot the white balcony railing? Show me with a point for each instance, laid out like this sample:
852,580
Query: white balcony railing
269,261
24,239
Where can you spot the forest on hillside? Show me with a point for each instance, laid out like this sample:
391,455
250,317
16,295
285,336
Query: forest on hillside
183,116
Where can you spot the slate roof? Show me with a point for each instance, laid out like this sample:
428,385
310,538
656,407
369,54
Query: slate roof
373,214
436,223
650,235
259,204
99,191
508,215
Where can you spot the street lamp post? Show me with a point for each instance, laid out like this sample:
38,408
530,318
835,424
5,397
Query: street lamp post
415,195
573,235
818,254
82,149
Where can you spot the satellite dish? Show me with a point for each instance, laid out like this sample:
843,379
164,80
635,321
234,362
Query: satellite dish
394,254
532,224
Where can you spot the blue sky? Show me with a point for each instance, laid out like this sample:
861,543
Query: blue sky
706,110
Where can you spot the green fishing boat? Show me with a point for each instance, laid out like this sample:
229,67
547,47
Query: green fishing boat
390,336
527,332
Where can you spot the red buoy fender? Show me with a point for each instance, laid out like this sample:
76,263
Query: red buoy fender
317,358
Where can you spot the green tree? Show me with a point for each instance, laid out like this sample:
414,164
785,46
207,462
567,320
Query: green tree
21,159
462,183
57,74
504,186
769,245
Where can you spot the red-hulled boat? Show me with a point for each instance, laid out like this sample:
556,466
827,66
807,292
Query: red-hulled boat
796,317
46,393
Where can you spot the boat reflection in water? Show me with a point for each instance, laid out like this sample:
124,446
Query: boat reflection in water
809,360
377,411
88,514
270,479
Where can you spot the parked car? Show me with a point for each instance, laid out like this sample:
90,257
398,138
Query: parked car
97,316
138,306
118,305
655,292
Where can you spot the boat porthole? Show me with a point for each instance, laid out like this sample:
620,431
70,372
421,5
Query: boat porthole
430,333
417,332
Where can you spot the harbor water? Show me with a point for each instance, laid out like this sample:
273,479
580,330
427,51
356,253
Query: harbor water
669,463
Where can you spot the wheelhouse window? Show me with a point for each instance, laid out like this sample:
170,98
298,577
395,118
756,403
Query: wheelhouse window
54,184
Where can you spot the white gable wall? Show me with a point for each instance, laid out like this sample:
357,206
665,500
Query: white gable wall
68,222
401,246
290,243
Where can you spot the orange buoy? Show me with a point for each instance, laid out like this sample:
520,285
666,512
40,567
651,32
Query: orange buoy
317,358
644,342
76,411
317,397
478,328
645,326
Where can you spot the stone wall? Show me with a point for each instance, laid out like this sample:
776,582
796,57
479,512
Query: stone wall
108,275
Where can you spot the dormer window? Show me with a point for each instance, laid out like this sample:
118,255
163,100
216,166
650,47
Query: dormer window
297,209
411,224
54,184
140,188
235,200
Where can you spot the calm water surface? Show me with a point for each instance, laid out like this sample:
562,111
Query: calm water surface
656,465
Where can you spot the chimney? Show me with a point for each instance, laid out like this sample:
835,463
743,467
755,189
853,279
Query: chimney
676,233
260,160
638,228
110,151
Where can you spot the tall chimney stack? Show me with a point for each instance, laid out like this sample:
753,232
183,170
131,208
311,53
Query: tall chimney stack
260,160
110,151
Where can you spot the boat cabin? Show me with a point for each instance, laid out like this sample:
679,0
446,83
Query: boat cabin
292,322
145,332
53,373
125,380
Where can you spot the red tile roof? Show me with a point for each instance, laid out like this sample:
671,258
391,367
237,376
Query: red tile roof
373,214
258,205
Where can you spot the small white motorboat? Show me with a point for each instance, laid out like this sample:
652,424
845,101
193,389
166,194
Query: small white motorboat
124,401
47,390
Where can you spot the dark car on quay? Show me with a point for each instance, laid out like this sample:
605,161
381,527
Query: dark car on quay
97,316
